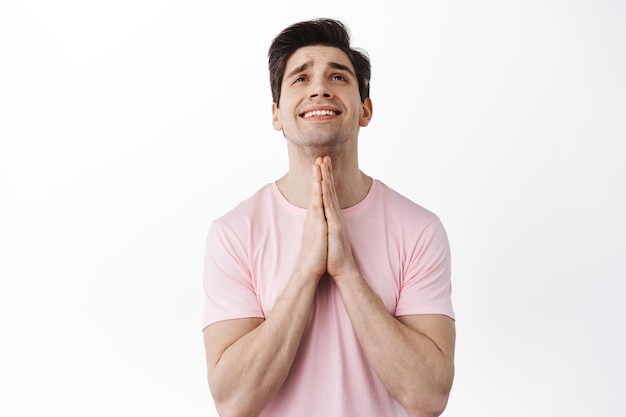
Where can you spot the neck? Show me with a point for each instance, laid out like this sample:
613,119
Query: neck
351,184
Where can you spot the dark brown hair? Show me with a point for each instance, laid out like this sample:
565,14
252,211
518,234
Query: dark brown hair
326,32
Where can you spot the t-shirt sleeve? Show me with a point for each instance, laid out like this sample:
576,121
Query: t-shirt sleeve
426,287
229,291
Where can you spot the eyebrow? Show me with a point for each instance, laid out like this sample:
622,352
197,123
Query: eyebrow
342,67
335,65
298,69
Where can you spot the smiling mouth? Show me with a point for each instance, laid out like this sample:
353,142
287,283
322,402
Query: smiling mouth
318,113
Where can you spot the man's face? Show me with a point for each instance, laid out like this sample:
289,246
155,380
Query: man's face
320,105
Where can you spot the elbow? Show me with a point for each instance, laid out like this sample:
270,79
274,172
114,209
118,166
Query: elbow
234,405
430,402
224,406
432,407
225,411
228,409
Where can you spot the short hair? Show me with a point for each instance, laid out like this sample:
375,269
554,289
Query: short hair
321,31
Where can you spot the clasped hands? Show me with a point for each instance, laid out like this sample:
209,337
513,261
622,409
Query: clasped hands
325,244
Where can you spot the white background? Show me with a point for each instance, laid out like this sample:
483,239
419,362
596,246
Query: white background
127,126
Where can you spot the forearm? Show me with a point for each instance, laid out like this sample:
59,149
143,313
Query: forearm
413,368
252,369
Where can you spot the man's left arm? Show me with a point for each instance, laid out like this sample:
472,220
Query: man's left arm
413,355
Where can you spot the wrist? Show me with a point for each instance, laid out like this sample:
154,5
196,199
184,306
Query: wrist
349,275
306,277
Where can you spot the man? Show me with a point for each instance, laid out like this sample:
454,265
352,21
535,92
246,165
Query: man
326,292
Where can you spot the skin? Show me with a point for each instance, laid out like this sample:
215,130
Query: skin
248,359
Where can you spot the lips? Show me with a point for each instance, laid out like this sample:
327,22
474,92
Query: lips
318,113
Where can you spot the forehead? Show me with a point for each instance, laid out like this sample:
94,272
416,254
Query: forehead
317,55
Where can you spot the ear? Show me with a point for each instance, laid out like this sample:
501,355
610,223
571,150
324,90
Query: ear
278,124
366,112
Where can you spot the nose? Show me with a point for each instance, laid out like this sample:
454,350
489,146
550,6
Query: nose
320,88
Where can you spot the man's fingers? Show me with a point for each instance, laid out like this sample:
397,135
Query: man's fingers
313,254
316,193
330,200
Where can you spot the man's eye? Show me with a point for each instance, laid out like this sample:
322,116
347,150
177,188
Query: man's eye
299,79
339,77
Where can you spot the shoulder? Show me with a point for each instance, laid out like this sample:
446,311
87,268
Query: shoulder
239,219
402,207
249,207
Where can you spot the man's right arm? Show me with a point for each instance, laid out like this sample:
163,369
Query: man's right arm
248,359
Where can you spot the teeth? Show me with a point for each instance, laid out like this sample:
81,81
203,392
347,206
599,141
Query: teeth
319,113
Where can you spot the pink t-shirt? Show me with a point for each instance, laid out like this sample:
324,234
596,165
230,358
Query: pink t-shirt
402,251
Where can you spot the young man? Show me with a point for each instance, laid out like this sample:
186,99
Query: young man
326,292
